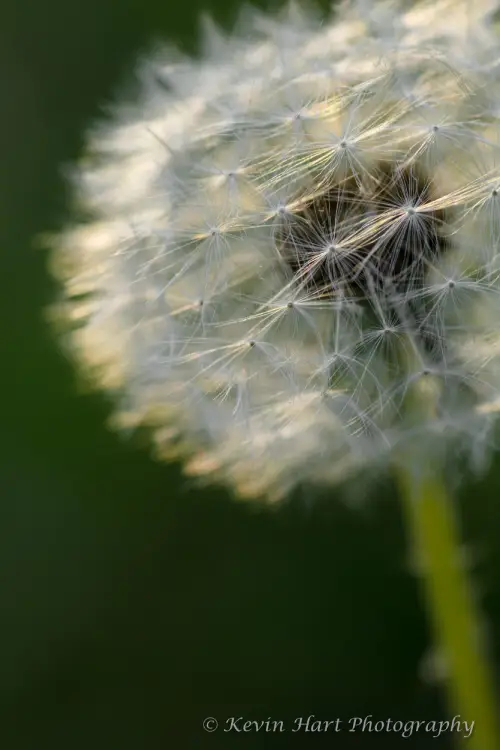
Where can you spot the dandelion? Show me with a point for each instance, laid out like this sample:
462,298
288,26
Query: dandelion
290,263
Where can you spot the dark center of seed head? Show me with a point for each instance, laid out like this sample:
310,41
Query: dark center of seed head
365,235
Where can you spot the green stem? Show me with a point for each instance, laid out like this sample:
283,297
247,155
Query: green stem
432,523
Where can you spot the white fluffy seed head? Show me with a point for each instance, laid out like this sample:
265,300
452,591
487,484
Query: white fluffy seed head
292,267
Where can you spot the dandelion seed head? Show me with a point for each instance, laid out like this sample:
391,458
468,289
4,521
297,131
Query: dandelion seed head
291,267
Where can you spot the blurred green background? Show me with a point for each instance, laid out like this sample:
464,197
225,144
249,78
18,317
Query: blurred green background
134,604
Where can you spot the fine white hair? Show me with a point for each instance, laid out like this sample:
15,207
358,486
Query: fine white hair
289,266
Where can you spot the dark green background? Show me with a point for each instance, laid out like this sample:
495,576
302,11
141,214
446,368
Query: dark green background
133,603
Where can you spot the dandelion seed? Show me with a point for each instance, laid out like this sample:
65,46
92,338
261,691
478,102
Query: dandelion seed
322,197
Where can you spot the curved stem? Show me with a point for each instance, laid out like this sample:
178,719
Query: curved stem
455,621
